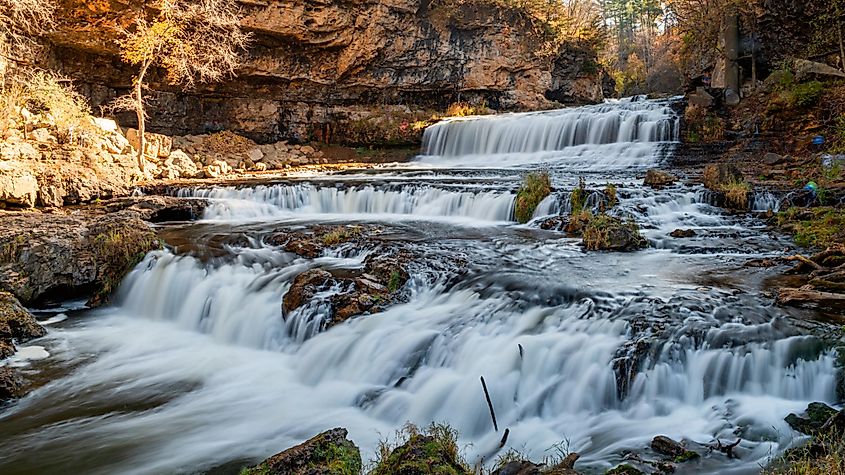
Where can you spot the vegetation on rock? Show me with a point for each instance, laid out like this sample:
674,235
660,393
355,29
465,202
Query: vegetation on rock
329,453
432,451
814,227
534,189
604,232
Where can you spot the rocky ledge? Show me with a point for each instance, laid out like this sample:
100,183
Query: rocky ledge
17,325
82,252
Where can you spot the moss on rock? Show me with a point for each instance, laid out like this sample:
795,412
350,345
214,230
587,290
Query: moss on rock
535,188
434,452
329,453
609,233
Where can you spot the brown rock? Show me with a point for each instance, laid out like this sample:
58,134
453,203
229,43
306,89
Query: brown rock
666,446
16,323
682,233
18,186
303,288
11,385
658,179
718,175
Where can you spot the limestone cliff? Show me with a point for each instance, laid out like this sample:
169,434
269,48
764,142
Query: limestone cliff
319,69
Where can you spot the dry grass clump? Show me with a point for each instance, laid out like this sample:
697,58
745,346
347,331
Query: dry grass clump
824,455
736,194
45,99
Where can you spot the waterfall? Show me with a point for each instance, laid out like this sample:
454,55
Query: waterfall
618,122
306,199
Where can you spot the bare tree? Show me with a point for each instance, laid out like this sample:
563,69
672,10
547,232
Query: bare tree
193,41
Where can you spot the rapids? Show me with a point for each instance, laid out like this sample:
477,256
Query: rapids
194,370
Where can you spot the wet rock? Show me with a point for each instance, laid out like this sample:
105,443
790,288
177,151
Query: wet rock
46,256
658,179
11,384
717,176
666,446
609,233
421,455
16,323
524,467
624,469
554,223
683,233
329,453
304,287
814,418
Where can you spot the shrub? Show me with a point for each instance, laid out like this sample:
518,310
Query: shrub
463,109
535,187
823,455
610,194
51,96
604,232
703,125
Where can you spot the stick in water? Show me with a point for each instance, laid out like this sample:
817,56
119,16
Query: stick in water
489,404
504,438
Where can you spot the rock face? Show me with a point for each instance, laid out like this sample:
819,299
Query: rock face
16,324
322,69
814,418
329,453
44,256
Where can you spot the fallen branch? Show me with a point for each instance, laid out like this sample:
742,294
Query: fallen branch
804,260
489,404
726,449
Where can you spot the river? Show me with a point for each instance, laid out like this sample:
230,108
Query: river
193,368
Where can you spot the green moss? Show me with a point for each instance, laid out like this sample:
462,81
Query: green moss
624,469
814,227
116,253
535,187
686,456
395,281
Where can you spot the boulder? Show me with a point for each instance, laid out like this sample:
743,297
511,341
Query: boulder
682,233
814,418
701,98
42,135
772,159
666,446
11,385
255,154
18,186
658,179
304,287
524,467
329,453
421,455
609,233
18,151
805,69
183,164
731,97
717,176
155,145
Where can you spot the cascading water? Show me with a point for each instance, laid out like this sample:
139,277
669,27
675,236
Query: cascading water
195,369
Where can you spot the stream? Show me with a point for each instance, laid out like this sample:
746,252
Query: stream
193,368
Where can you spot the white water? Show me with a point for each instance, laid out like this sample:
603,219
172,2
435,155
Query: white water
194,366
611,135
304,199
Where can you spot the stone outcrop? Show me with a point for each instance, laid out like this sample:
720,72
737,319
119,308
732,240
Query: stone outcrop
16,324
322,70
329,453
658,179
55,256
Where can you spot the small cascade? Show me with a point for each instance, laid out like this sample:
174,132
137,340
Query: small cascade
614,122
765,201
307,199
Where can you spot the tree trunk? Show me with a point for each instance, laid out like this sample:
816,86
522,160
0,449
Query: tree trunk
139,112
841,45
